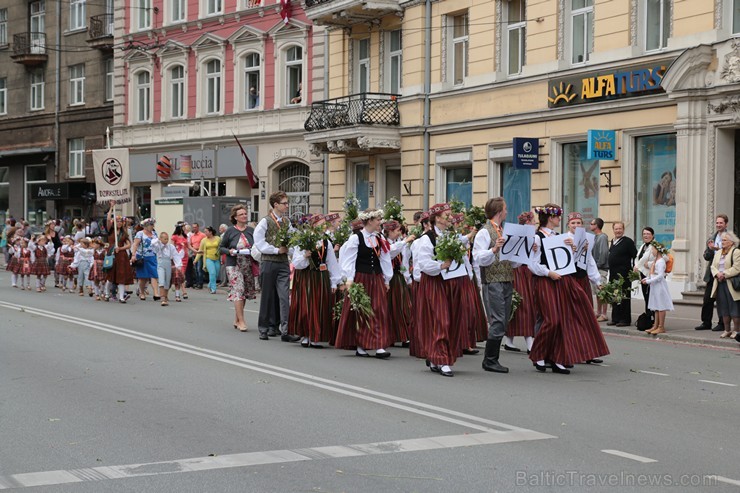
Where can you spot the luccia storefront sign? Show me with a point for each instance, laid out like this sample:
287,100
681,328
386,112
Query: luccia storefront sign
602,145
526,153
606,85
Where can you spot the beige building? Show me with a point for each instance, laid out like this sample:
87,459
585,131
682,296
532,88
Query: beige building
662,75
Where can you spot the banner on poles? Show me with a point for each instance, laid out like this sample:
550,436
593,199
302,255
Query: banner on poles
519,243
560,257
112,177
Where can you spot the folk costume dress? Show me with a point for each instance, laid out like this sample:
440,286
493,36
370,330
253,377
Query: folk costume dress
66,256
365,259
591,274
121,273
311,297
522,323
400,309
419,338
41,254
13,264
569,332
25,261
97,274
478,327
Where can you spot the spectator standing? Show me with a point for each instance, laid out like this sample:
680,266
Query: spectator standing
726,266
194,246
645,259
622,254
714,244
600,253
209,251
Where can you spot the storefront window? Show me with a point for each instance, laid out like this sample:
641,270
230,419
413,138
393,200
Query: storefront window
35,209
580,182
362,185
143,202
656,185
516,187
4,193
459,185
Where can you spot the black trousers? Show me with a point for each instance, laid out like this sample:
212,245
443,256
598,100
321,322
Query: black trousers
707,307
622,312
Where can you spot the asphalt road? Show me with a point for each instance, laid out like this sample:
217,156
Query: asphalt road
98,397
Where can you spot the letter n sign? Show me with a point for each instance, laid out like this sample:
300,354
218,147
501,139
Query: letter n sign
526,153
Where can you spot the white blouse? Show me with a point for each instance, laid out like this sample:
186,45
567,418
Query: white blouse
300,262
348,256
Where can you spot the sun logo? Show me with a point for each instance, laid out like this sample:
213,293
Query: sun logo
602,136
562,94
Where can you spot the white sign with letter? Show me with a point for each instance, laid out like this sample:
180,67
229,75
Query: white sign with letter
456,270
560,257
112,177
519,243
584,249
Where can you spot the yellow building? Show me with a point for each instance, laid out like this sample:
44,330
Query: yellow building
422,101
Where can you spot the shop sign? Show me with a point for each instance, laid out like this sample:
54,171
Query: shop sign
50,191
602,145
605,85
175,192
526,153
169,201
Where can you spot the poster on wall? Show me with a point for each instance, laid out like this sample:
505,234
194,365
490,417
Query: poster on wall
581,182
661,153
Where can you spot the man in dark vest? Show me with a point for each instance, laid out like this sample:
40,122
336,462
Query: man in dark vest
274,272
622,255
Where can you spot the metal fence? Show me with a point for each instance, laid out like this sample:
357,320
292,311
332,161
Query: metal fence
29,43
357,109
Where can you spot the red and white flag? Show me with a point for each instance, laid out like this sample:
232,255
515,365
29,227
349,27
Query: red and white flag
253,182
285,10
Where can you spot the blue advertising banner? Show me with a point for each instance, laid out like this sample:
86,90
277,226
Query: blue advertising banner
526,153
602,145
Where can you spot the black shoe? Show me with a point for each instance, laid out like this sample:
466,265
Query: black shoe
541,368
315,346
433,368
405,344
445,373
490,359
611,323
263,337
305,343
557,369
471,351
737,337
718,328
157,298
383,355
512,348
273,333
622,324
595,360
703,327
361,355
290,338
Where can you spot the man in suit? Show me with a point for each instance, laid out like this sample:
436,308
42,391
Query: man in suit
622,255
714,243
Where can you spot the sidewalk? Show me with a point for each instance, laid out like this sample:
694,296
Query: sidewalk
679,325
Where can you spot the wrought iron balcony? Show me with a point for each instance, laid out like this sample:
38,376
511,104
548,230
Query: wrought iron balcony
349,12
360,122
29,48
100,32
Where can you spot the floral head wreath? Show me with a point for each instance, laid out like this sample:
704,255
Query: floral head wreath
391,225
525,216
659,247
550,211
366,216
148,221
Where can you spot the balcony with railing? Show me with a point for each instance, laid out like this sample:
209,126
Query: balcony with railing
29,48
360,123
100,32
349,12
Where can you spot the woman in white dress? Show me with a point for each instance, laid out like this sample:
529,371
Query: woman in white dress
660,298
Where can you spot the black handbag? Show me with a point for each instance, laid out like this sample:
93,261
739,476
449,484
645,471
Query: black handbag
644,321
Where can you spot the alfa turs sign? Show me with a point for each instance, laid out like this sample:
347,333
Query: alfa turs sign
606,85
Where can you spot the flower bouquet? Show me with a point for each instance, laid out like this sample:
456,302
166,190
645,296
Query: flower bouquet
359,302
351,208
475,217
417,231
342,234
457,206
307,238
449,247
283,235
613,291
393,210
516,301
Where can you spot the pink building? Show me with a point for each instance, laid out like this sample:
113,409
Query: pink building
192,72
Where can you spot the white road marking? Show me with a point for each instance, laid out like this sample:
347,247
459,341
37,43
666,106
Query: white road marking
724,480
626,455
719,383
48,478
654,373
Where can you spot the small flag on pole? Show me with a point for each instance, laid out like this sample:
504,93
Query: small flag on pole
253,182
285,10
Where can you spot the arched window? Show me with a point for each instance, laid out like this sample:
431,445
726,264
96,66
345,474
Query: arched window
143,94
213,87
293,179
177,91
252,81
294,74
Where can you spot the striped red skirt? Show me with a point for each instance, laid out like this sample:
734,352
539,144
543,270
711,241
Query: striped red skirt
374,334
416,346
477,330
522,324
311,305
13,266
585,284
570,333
40,266
437,336
400,310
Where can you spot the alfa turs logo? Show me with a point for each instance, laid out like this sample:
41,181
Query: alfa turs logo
112,171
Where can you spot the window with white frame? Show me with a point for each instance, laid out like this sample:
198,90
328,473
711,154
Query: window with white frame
454,175
294,74
515,34
143,94
735,17
177,10
657,24
459,49
37,89
76,158
177,91
76,14
214,7
362,68
77,84
144,14
582,37
395,61
108,65
3,27
251,81
361,183
213,87
3,96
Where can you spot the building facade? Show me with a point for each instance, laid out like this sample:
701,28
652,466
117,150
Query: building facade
56,100
192,76
662,75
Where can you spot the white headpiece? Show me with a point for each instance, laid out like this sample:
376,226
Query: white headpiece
366,216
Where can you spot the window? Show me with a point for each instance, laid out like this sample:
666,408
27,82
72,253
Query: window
515,34
656,185
516,188
4,193
3,96
35,210
108,79
580,181
77,84
144,13
657,24
38,26
37,89
3,27
582,18
76,14
294,74
214,7
177,10
76,158
459,48
459,185
252,81
177,94
213,87
735,17
362,184
363,66
143,96
395,54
